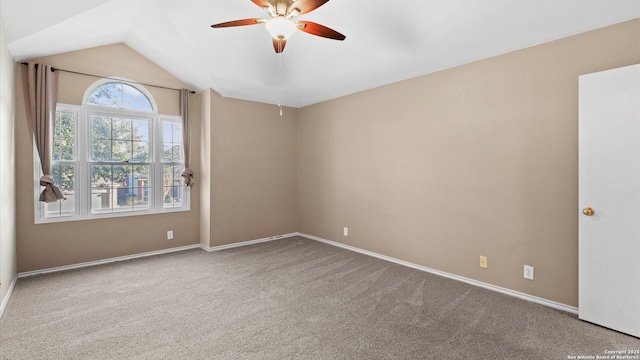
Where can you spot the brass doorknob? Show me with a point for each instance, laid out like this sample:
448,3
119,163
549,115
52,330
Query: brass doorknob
588,211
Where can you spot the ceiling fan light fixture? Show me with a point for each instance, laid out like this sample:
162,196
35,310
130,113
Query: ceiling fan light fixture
280,27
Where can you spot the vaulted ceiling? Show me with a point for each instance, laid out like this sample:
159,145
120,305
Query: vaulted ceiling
386,41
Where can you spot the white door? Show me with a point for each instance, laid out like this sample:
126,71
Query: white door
609,170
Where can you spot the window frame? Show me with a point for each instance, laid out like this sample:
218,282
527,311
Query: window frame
82,162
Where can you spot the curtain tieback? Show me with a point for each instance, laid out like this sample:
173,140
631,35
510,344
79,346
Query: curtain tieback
187,174
51,193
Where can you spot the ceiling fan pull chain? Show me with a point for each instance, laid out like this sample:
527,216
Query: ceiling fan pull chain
280,79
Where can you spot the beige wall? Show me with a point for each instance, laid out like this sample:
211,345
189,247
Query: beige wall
476,160
8,261
244,158
49,245
253,170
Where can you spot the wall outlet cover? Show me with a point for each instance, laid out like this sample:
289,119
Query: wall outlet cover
528,272
484,262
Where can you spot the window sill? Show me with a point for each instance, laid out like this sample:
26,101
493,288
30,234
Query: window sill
110,215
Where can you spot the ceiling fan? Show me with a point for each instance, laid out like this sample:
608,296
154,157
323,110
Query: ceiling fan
281,24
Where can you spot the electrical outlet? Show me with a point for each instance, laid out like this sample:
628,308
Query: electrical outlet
170,235
484,263
528,272
345,231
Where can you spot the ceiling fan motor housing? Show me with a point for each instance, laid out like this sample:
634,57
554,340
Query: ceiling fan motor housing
281,26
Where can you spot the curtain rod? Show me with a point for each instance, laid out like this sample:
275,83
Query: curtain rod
110,78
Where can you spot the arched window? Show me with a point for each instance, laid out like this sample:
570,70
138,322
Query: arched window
119,95
116,156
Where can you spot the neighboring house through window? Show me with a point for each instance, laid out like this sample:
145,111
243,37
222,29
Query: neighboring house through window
115,156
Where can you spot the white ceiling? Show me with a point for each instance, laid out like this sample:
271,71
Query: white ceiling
387,41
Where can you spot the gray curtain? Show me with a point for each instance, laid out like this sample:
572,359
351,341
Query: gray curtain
187,174
43,96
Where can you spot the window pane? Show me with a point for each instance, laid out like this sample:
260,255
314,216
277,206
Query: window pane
122,175
122,180
167,152
167,132
140,130
63,176
61,208
113,139
101,187
63,136
172,152
100,138
172,141
121,128
120,95
100,127
101,199
134,99
167,143
141,174
101,176
140,185
168,175
120,187
101,150
105,95
142,103
140,136
172,185
121,150
172,196
140,151
177,152
177,132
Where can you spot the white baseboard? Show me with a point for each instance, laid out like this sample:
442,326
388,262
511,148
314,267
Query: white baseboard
535,299
152,253
5,301
245,243
106,261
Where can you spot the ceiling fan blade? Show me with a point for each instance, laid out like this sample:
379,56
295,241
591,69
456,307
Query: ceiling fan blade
305,6
319,30
238,23
261,3
278,45
266,5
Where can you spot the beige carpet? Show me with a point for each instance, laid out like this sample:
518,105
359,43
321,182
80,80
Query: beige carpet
287,299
